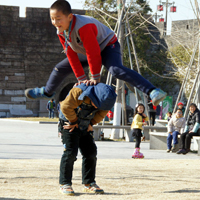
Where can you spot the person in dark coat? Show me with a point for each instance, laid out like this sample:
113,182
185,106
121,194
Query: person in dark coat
191,129
152,112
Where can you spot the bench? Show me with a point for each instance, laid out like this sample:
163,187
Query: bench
148,129
128,131
4,112
158,140
161,122
196,140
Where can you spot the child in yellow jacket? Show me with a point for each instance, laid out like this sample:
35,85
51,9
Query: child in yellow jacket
138,121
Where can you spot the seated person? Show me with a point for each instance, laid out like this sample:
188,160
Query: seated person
175,126
82,108
191,129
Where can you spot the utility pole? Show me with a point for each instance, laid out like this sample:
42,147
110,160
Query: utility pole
157,16
118,107
172,9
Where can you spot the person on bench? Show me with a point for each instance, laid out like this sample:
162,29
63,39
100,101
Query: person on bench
191,129
175,126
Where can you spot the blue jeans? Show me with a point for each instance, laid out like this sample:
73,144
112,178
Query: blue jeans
51,113
111,59
174,137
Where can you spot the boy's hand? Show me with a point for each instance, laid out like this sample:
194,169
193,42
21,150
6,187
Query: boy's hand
88,82
91,82
144,123
90,128
71,127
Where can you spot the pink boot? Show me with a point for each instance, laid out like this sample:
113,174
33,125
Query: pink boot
137,153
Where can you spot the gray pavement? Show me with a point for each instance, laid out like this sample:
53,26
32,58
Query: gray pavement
31,140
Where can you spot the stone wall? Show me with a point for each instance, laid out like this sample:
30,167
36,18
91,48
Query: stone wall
183,32
29,49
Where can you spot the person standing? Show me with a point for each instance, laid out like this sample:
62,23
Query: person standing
138,121
51,107
83,107
181,106
152,112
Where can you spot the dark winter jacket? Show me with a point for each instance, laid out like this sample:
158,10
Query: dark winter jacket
193,121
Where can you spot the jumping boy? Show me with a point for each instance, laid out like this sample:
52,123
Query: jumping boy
93,103
86,41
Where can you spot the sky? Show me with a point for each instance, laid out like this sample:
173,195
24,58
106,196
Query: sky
184,8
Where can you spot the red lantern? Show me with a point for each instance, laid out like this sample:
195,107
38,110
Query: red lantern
161,20
173,9
160,7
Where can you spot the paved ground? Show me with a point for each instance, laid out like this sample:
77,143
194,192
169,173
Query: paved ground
31,140
29,168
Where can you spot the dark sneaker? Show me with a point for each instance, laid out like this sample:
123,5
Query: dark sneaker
157,95
186,151
67,190
93,188
37,93
181,151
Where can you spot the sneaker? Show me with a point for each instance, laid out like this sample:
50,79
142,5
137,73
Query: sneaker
93,188
186,151
67,190
175,148
181,151
37,93
157,95
168,150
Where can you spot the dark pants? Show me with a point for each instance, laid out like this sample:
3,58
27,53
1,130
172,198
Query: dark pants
137,133
111,59
173,136
51,113
186,139
71,142
152,116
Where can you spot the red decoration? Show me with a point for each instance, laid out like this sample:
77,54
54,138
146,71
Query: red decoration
173,9
160,7
161,20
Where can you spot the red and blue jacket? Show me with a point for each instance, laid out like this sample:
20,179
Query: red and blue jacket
88,36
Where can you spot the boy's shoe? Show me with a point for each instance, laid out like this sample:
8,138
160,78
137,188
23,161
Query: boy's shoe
93,188
67,190
157,95
37,93
181,151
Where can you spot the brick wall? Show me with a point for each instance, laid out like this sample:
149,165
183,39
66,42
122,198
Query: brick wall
29,49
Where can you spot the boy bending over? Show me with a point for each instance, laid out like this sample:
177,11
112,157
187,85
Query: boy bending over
82,108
